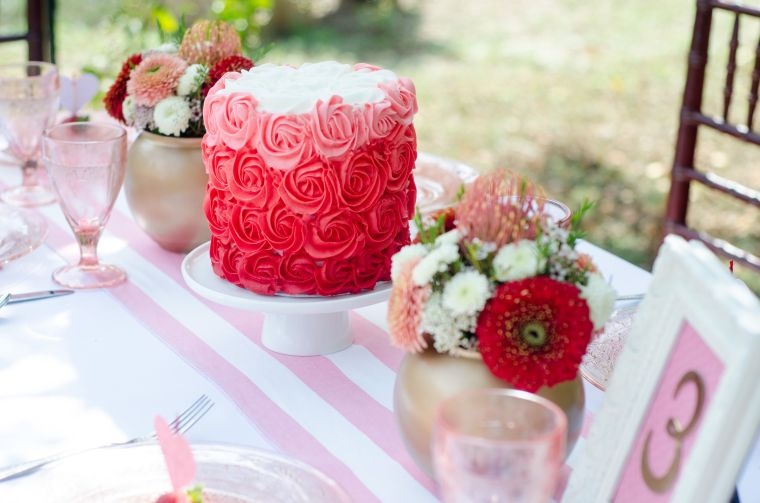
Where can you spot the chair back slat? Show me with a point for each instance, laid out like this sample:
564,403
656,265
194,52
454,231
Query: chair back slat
728,89
753,87
39,33
692,117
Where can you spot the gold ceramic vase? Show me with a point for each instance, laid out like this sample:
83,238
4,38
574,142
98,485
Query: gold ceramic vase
425,379
165,185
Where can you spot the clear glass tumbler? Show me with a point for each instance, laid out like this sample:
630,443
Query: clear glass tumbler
86,164
498,445
29,98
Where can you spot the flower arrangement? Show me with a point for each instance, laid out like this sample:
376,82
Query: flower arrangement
497,276
162,90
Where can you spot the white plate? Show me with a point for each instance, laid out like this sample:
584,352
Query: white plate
439,180
136,473
302,325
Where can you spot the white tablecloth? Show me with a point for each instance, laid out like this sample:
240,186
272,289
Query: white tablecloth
97,366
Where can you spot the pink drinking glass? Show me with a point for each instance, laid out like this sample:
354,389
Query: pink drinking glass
86,163
29,96
498,445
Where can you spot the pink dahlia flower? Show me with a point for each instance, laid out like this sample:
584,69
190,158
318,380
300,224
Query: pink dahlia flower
405,310
155,78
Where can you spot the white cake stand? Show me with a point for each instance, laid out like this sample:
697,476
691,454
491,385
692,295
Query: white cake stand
300,326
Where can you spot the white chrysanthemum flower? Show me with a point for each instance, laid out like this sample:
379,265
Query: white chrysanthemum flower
192,79
436,261
172,116
452,238
167,48
128,110
466,293
402,256
517,261
600,297
439,323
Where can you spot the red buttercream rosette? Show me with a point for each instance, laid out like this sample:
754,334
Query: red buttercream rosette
246,230
363,177
310,188
251,181
338,235
259,272
283,229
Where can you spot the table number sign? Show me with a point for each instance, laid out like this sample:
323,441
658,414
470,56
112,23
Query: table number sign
682,408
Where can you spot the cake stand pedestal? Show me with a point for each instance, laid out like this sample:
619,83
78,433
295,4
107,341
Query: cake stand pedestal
293,325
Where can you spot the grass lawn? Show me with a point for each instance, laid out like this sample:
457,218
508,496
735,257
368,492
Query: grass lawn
581,95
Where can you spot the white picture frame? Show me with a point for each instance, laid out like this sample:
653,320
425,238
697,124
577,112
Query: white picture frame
692,292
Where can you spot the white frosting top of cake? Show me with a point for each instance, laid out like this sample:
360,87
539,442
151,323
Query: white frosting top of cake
287,90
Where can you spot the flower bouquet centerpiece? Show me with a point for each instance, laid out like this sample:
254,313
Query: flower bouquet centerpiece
161,93
162,90
495,278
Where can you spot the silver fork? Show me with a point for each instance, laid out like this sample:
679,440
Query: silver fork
181,424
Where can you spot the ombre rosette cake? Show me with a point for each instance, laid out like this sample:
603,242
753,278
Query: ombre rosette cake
310,186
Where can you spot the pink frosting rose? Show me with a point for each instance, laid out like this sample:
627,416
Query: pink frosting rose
285,140
297,274
282,228
246,230
213,109
334,127
402,97
310,188
251,182
217,209
382,121
237,121
402,154
363,177
384,220
259,272
218,161
335,235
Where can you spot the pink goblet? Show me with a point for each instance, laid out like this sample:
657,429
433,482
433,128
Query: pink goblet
86,164
29,95
498,445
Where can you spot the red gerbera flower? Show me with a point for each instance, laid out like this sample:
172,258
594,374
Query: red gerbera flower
114,98
232,63
534,332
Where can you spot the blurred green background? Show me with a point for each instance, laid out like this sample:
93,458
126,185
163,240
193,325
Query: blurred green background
581,95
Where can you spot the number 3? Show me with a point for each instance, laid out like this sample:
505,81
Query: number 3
660,484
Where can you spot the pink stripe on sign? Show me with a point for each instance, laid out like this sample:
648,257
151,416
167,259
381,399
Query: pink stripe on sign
282,429
318,373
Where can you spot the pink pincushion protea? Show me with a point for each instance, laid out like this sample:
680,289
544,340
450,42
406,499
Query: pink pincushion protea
500,208
155,78
405,310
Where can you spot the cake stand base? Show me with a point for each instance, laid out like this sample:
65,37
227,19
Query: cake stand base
306,334
293,325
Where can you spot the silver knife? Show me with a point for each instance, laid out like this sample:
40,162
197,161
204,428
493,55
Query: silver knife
45,294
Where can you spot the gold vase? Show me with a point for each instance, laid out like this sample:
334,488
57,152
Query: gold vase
425,379
165,185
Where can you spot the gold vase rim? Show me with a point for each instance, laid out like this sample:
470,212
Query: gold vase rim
173,141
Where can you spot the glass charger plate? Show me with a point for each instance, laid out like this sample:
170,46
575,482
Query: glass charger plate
136,474
604,350
438,181
21,231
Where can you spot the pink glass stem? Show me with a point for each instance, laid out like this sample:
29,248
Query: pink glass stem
29,172
88,247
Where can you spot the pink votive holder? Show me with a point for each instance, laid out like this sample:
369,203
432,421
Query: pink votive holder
498,445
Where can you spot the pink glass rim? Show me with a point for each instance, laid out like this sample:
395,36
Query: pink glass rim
48,67
52,133
559,419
